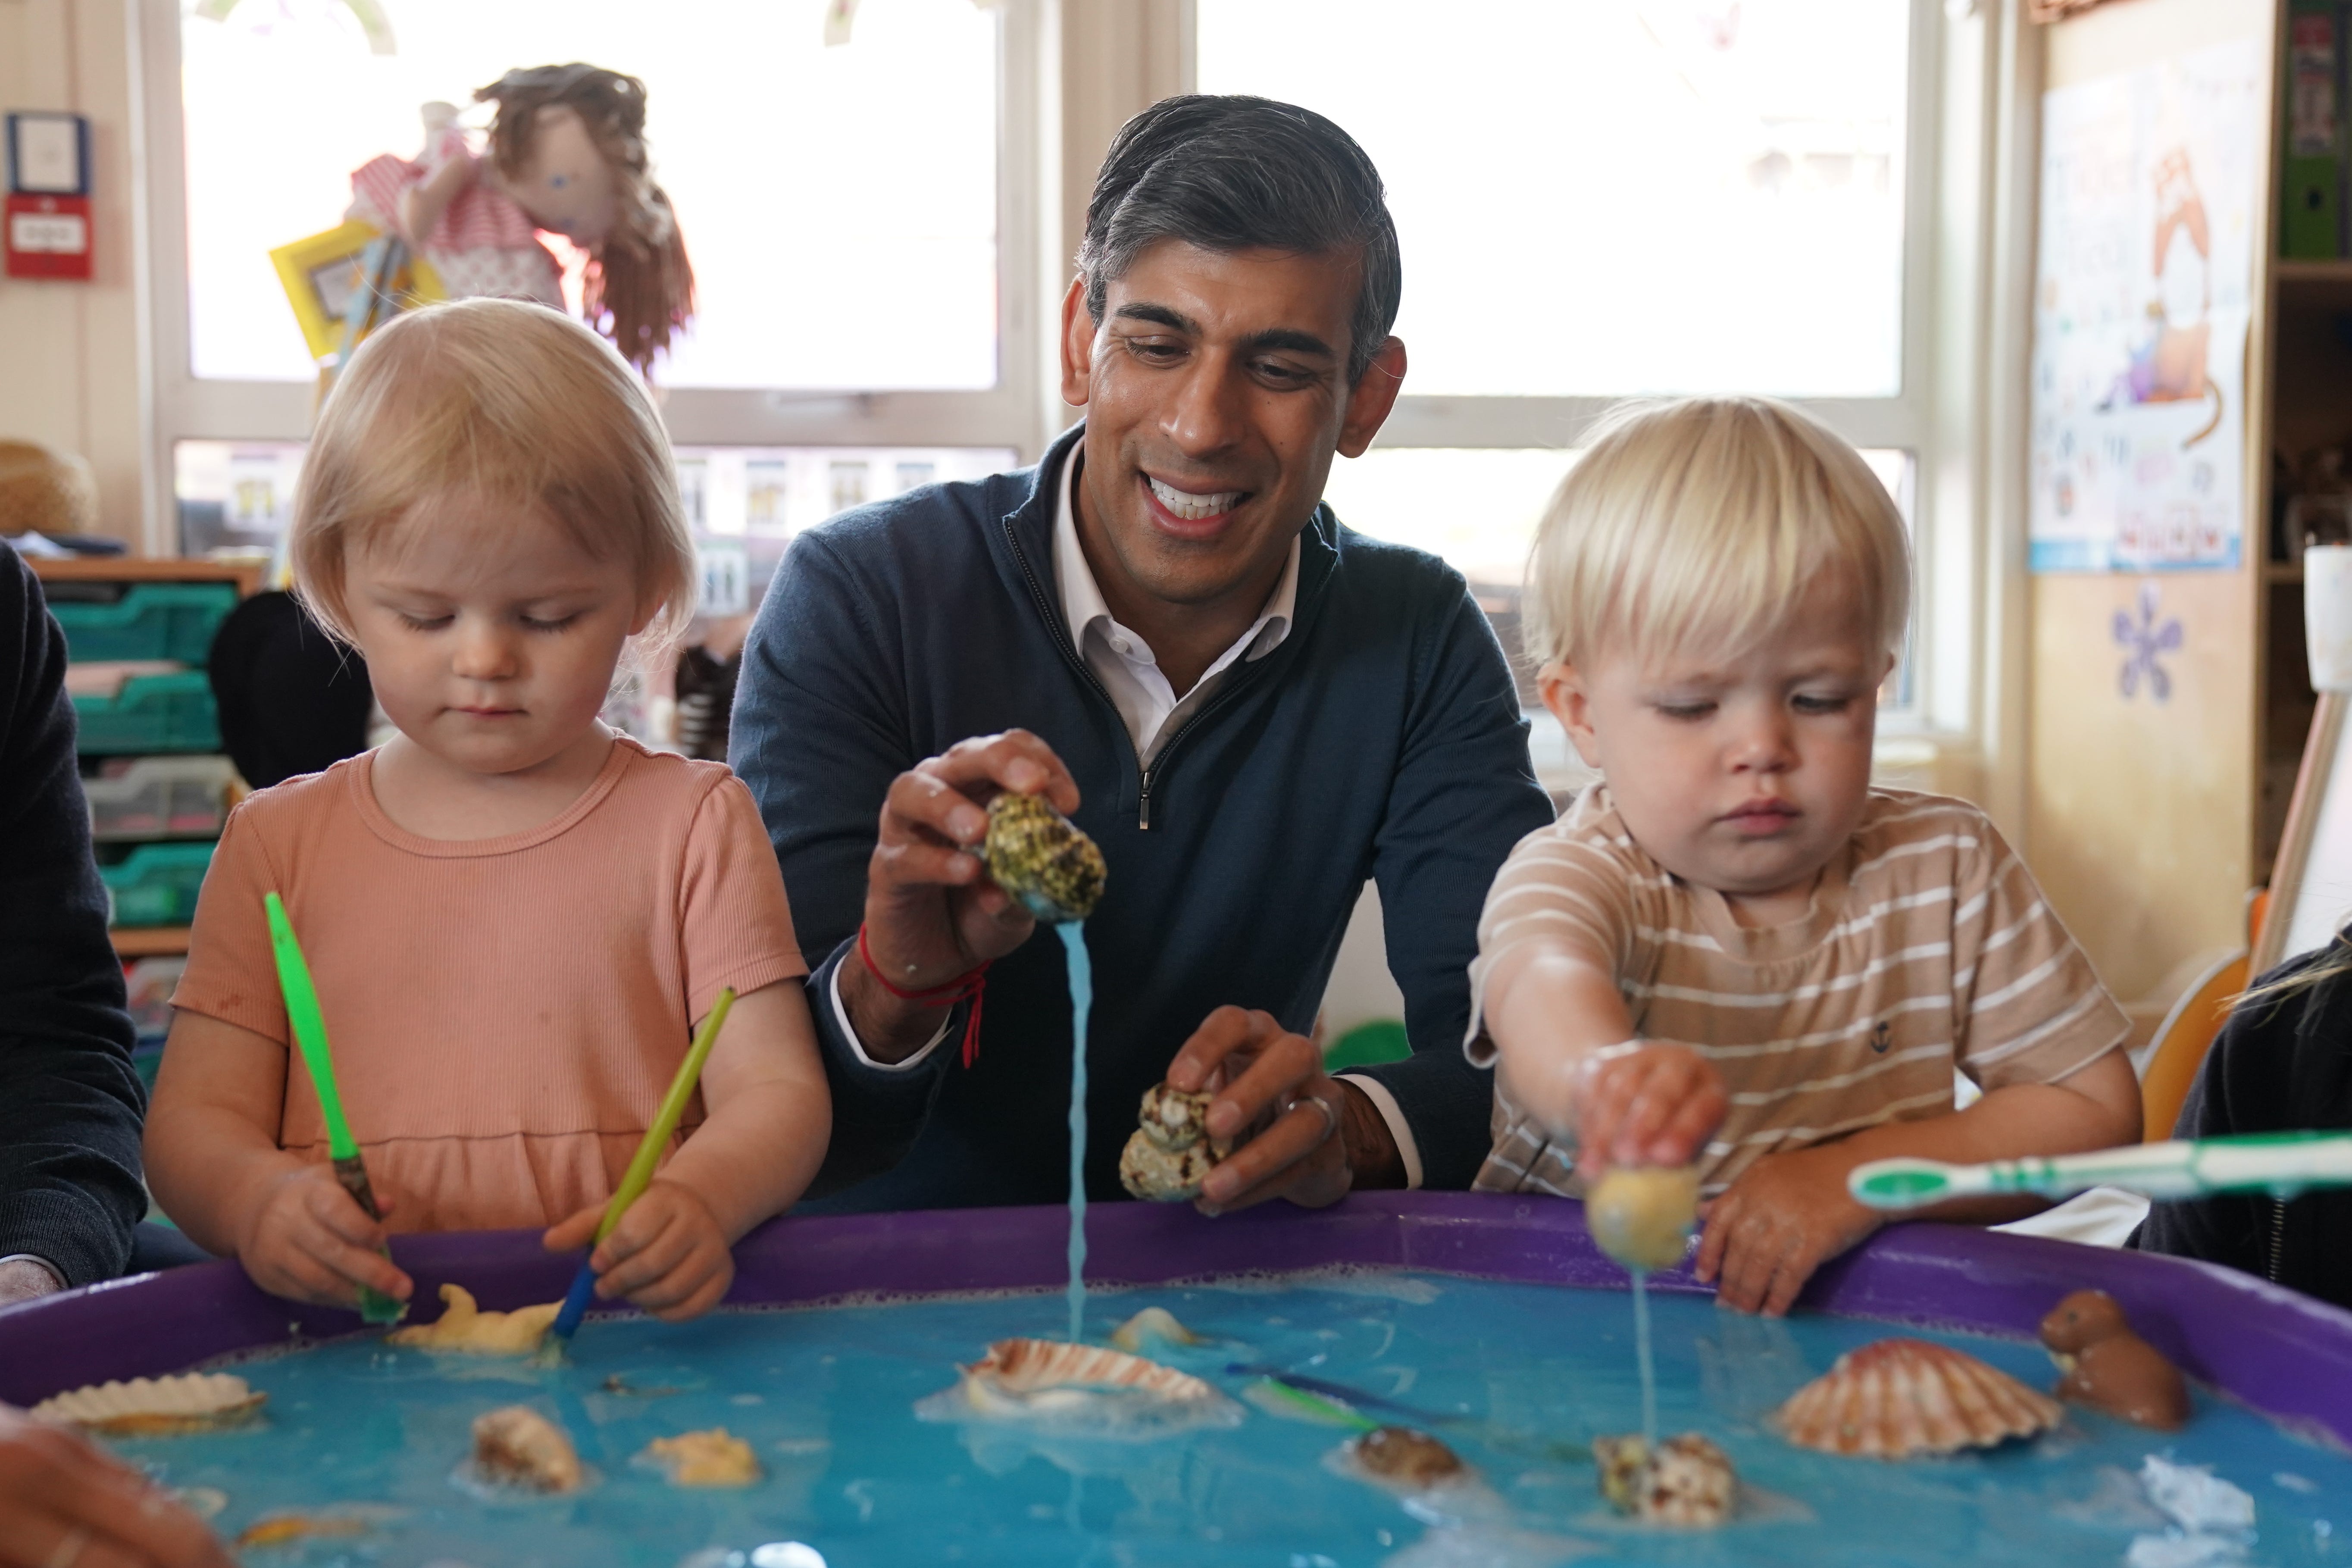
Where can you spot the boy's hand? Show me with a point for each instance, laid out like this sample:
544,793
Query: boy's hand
1785,1216
1643,1103
308,1240
667,1256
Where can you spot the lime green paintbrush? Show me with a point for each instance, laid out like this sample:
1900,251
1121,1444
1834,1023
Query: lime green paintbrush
2280,1164
311,1035
640,1173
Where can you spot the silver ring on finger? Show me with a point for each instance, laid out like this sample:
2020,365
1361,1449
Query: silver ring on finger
1330,1117
67,1550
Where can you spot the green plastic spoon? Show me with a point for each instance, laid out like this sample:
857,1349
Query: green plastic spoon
310,1036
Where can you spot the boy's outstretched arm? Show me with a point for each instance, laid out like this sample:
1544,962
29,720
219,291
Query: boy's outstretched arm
1788,1214
1566,1052
216,1167
770,1118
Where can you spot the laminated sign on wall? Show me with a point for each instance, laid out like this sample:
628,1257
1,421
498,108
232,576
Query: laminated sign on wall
2141,304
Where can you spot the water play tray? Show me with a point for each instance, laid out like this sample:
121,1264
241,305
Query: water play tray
873,1485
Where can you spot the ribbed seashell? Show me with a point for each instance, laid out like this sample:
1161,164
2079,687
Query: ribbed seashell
155,1406
519,1447
1173,1119
1899,1397
1038,855
1171,1153
1023,1367
1685,1481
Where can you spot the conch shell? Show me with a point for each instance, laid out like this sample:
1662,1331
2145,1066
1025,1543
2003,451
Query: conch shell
1403,1456
517,1446
1898,1397
713,1458
1685,1480
155,1406
1171,1153
1038,855
468,1330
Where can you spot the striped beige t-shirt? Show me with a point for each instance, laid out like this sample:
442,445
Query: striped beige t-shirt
1926,946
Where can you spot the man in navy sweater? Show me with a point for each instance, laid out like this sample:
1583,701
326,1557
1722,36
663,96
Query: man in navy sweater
1162,629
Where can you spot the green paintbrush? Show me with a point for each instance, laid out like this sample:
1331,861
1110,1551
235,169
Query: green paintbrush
311,1035
2280,1164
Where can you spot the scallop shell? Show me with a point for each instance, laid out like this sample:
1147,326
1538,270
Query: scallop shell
1685,1480
1024,1367
716,1458
155,1406
517,1446
1038,855
1899,1397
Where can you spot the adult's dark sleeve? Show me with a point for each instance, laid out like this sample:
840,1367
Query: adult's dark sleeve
70,1105
2251,1049
1463,794
819,731
292,700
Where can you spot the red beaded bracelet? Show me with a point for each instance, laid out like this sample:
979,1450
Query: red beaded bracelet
969,987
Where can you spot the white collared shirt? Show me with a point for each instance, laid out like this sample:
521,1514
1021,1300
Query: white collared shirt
1123,662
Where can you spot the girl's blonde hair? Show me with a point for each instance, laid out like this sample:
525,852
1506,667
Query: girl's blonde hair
1699,523
510,401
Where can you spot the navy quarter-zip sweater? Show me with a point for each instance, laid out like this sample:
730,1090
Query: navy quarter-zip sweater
1383,738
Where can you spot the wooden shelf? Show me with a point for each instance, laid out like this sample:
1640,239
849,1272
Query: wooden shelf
149,942
246,574
2313,271
2281,571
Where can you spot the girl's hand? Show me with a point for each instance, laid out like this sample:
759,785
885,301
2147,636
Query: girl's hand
1643,1103
308,1240
1785,1216
668,1254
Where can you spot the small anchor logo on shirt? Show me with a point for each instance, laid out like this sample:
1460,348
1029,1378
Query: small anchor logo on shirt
1880,1038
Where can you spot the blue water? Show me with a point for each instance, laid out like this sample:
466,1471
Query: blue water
1081,1000
824,1397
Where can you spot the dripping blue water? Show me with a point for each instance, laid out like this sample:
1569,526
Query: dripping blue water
1642,1354
1082,997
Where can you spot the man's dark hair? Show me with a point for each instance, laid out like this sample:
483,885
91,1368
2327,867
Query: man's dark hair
1232,172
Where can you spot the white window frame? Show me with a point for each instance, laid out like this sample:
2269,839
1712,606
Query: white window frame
180,406
1948,40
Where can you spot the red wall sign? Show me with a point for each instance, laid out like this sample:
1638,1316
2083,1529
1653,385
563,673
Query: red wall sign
48,236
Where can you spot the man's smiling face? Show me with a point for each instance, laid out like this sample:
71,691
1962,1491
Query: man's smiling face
1216,392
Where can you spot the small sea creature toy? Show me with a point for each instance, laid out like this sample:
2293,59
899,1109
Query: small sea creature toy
285,1528
1150,1324
1171,1153
1641,1215
516,1446
1895,1398
2108,1367
1038,855
467,1329
155,1406
1685,1480
1402,1457
711,1459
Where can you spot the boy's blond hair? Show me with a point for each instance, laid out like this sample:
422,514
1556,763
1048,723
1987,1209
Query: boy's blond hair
1697,525
510,401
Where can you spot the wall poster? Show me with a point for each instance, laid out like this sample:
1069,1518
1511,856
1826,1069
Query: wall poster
2142,293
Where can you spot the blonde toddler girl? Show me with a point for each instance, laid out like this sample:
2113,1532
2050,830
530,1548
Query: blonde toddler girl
514,915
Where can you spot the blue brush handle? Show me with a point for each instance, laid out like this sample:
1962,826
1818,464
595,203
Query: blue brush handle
575,1302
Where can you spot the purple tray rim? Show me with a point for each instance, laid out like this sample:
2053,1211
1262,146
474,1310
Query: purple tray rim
2283,1354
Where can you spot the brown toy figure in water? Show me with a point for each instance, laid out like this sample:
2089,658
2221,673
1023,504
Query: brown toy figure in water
2110,1368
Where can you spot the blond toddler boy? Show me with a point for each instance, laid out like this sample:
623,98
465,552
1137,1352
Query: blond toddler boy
1733,950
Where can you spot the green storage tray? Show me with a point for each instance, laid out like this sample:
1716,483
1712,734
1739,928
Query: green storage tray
151,714
152,620
156,885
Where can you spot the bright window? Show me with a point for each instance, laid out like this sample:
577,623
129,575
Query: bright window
839,204
1593,200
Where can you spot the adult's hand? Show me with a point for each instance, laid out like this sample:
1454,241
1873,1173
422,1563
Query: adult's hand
63,1504
932,913
1271,1089
26,1280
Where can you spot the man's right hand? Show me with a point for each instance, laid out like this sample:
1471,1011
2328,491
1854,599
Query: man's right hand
932,914
62,1501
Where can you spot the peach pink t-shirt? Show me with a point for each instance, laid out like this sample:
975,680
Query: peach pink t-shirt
505,1013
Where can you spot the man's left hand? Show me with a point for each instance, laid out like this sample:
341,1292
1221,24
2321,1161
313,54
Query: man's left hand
1270,1090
